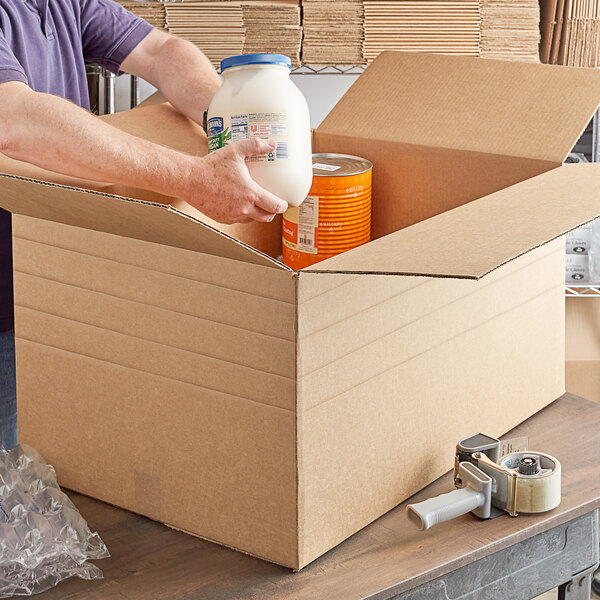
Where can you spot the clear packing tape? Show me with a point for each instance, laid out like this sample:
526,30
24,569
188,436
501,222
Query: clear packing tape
43,537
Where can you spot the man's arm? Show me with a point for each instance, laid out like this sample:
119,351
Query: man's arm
178,69
57,135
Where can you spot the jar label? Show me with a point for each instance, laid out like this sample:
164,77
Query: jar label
268,125
217,135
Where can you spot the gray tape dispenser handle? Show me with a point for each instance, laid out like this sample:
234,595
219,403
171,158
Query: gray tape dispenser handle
475,495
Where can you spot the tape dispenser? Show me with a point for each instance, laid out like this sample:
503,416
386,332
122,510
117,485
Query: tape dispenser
493,477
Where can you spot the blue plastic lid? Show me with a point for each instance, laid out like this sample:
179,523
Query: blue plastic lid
256,59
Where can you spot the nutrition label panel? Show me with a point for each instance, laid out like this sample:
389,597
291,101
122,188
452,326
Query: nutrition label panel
272,126
308,219
239,128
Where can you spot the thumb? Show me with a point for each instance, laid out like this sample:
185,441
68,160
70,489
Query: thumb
256,146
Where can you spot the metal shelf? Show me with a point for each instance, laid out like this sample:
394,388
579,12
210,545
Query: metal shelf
329,69
324,69
584,290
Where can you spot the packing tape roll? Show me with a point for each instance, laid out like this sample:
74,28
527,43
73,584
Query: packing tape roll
536,493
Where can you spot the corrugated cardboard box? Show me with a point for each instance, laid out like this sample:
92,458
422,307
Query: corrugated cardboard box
172,367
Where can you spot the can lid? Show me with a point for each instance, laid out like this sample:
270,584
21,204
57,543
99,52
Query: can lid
339,165
256,59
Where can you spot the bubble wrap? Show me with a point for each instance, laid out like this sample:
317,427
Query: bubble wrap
43,538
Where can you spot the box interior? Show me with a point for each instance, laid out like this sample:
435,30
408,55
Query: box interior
461,150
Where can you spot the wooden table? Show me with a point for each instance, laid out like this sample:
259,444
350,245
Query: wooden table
501,558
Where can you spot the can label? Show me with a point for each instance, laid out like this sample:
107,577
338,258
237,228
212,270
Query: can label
322,167
271,126
300,226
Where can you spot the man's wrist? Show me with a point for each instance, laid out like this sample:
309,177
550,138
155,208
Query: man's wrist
186,176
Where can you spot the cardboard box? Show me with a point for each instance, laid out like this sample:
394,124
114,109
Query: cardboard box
583,347
172,367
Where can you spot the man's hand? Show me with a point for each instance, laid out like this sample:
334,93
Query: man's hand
221,186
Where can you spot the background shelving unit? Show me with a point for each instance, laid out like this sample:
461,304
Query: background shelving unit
589,145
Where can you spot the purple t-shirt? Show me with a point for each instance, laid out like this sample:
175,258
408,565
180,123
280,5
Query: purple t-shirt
45,43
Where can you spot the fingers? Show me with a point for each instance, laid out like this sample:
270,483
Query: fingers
258,214
270,202
255,146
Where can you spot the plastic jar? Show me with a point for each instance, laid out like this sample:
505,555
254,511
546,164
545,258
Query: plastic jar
258,99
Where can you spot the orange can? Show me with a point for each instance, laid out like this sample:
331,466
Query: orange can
336,215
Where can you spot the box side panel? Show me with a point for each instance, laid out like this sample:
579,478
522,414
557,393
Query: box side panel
413,183
215,270
391,379
162,381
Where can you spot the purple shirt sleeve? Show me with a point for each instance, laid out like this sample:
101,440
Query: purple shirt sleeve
110,32
10,68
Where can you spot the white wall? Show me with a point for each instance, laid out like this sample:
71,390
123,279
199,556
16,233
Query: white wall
321,92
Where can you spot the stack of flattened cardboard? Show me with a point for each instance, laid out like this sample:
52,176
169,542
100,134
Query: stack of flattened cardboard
152,11
229,27
442,26
273,26
510,29
217,28
570,32
333,32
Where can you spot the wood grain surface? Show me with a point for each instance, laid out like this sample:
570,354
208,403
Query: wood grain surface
152,562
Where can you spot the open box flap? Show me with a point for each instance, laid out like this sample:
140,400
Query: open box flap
135,219
500,107
129,212
476,238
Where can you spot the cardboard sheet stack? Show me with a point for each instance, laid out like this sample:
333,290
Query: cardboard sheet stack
442,26
352,32
570,32
273,26
217,28
153,12
228,27
333,32
510,29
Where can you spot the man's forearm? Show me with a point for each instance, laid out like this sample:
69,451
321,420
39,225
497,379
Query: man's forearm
178,69
57,135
